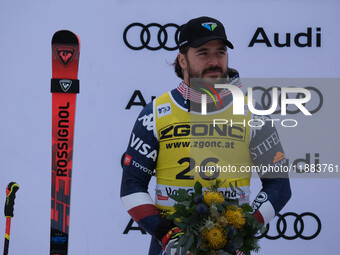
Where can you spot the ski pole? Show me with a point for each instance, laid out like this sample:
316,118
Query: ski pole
11,189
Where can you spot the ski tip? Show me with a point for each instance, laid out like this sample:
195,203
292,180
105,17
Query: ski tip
65,37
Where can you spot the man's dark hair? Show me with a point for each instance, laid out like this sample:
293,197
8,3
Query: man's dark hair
177,66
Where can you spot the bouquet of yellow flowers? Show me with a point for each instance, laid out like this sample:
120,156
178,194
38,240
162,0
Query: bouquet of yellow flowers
214,224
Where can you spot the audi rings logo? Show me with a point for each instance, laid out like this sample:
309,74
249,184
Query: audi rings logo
305,226
152,36
265,98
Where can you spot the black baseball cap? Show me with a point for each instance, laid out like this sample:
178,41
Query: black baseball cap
200,31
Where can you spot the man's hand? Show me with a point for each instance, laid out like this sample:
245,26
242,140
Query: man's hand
170,250
170,240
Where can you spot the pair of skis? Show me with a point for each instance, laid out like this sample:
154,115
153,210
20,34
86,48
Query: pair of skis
64,88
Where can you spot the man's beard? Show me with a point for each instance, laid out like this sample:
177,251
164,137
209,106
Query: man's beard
208,80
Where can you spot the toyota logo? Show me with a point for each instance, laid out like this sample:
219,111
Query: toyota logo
295,229
265,97
153,36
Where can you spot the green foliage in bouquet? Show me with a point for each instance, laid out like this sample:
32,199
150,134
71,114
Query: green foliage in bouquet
214,224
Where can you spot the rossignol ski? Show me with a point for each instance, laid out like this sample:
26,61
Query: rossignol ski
11,189
64,88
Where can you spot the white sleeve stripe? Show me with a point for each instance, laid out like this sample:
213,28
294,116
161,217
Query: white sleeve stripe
136,199
154,118
267,211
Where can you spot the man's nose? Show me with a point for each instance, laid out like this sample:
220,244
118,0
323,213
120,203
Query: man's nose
213,60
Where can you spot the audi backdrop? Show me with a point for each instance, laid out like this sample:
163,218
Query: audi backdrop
127,48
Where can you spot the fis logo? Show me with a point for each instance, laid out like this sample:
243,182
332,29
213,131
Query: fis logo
163,110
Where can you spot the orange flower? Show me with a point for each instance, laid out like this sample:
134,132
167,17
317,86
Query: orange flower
216,238
213,197
235,216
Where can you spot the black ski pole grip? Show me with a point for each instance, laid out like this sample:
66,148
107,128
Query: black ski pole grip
11,189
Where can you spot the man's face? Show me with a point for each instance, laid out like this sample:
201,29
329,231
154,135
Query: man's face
208,61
